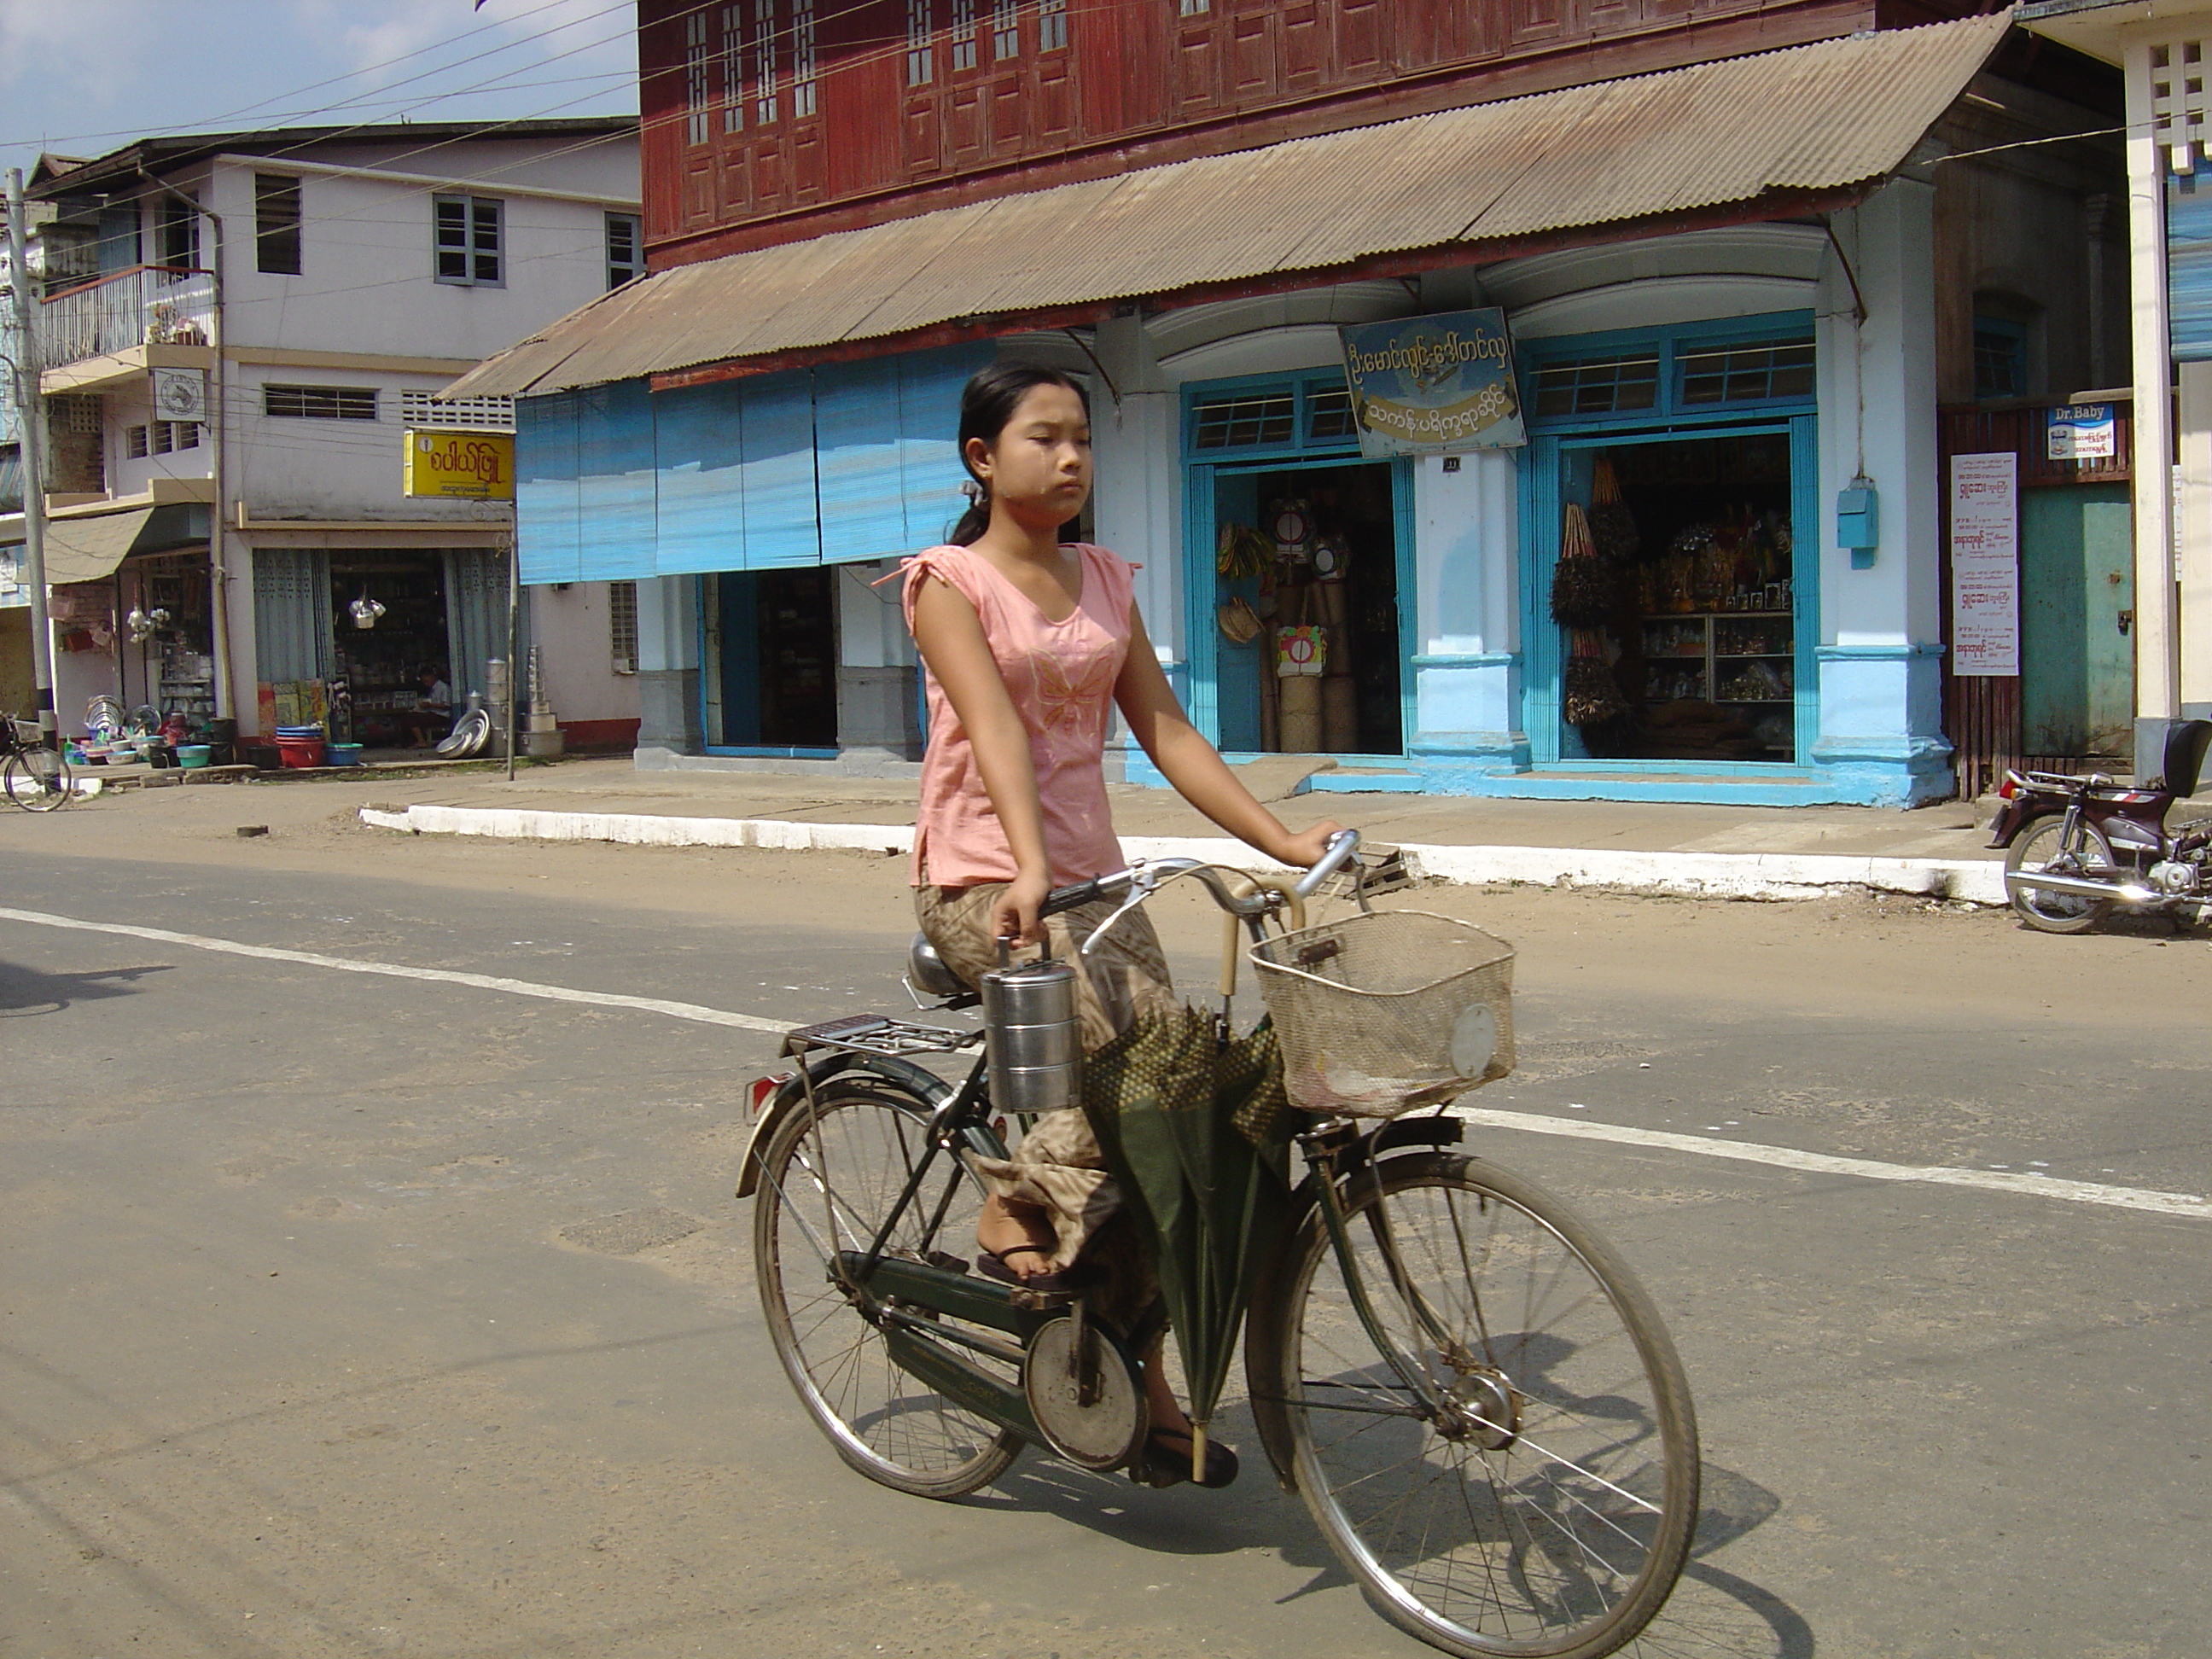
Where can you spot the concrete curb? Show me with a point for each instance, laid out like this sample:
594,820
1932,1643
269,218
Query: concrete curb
1691,875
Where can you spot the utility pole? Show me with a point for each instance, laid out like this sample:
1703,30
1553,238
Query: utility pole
31,424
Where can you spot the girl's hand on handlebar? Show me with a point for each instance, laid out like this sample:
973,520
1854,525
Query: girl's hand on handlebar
1014,912
1303,850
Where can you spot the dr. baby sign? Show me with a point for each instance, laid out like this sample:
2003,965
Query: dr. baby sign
1433,386
475,466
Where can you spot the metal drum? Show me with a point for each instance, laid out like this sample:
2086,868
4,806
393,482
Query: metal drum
1031,1038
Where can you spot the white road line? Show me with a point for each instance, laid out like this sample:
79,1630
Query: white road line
2037,1186
521,987
1786,1157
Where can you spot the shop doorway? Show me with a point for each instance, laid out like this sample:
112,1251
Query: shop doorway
380,666
1311,547
2077,599
772,662
1697,655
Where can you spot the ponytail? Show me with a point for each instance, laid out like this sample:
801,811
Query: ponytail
987,406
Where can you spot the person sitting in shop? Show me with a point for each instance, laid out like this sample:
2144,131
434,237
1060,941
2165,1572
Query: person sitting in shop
432,717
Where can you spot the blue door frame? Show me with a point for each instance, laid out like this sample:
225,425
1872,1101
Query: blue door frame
1202,656
1546,489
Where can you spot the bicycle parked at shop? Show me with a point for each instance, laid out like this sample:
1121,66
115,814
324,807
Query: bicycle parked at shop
36,778
1474,1398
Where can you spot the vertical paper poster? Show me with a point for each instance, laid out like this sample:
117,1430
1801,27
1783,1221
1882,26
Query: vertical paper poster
1433,386
1985,564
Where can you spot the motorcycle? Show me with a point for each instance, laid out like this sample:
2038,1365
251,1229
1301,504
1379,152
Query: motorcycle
2080,845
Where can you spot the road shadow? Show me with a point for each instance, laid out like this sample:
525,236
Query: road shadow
31,991
1712,1614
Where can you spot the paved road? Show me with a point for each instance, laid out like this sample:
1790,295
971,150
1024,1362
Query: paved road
350,1315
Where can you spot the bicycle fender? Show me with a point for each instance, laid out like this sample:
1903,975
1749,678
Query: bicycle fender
793,1095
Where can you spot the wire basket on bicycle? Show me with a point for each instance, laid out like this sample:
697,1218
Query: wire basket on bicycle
1383,1012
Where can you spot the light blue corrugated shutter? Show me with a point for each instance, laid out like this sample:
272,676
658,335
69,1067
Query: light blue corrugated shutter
775,489
929,387
546,523
863,487
615,483
697,454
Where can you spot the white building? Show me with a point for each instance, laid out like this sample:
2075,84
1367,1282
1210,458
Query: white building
234,330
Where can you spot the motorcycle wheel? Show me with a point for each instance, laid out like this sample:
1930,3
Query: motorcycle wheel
2039,849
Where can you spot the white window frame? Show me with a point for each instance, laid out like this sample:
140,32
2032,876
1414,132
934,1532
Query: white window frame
472,248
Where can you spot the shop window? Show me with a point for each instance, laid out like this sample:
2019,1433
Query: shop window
625,248
276,224
1747,373
1328,415
469,239
1052,25
1006,30
697,98
622,626
1239,422
921,61
1599,385
161,438
963,36
2000,358
1195,7
766,112
802,81
319,403
733,68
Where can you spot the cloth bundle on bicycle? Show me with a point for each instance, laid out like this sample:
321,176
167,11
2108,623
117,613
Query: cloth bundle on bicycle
1196,1130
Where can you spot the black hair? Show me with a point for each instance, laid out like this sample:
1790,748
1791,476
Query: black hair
987,405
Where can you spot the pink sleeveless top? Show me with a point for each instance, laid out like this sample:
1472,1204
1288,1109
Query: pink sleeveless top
1060,675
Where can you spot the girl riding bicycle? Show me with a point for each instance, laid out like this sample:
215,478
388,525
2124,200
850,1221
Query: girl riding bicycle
1029,643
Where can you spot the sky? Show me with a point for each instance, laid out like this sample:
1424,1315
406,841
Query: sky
81,78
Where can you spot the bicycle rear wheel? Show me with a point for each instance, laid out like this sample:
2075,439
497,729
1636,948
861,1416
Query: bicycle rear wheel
37,780
829,1180
1546,1509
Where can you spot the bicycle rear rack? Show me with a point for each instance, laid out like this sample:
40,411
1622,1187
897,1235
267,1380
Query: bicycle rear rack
879,1034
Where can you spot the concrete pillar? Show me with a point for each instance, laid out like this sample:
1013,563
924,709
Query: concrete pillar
1880,626
2157,626
876,708
668,670
2193,543
1466,599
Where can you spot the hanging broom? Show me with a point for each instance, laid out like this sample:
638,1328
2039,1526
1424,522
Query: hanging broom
1613,527
1582,583
1593,694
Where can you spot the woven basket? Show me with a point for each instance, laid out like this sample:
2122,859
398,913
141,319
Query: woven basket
1380,1014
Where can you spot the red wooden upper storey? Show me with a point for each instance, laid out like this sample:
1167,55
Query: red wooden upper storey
766,121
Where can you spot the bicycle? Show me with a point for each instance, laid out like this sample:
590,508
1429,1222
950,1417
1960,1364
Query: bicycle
36,778
1474,1398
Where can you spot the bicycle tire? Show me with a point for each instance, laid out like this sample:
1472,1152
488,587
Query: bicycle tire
36,779
848,1158
1566,1537
2059,913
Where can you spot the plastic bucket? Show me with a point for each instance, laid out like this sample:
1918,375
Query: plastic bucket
192,755
299,752
341,754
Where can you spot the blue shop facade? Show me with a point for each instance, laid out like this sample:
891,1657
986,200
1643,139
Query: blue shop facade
1702,401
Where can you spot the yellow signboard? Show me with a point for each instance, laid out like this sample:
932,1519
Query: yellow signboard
476,466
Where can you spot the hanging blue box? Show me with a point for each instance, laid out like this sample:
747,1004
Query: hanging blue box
1858,521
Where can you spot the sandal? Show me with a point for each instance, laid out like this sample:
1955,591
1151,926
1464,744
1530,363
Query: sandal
992,1264
1162,1462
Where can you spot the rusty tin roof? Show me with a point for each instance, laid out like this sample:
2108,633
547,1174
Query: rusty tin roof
1832,116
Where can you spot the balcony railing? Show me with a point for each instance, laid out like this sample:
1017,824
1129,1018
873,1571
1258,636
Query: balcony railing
146,304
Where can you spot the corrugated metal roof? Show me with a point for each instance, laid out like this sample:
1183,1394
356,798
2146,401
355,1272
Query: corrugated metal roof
1826,117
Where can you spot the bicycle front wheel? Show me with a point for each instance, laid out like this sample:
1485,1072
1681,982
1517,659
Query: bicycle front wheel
829,1179
36,780
1544,1504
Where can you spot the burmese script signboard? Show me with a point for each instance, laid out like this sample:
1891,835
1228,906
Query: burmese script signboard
459,466
1433,386
1985,564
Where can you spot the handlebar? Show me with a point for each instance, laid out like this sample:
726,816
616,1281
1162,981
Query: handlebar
1151,876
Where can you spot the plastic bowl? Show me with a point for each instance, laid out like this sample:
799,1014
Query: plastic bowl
341,754
192,755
